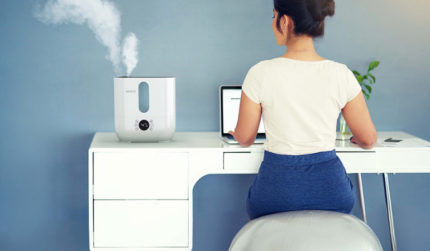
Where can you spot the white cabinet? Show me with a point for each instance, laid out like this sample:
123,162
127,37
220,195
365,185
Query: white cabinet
139,200
141,223
243,160
140,175
359,162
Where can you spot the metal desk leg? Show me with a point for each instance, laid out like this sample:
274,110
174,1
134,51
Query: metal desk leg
361,193
389,212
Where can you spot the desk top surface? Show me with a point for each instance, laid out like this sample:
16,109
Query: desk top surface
212,140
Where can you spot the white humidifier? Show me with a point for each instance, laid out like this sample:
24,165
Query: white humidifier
144,109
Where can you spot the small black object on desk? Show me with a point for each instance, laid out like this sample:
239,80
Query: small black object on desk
392,140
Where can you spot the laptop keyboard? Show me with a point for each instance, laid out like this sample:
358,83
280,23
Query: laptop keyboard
258,137
229,136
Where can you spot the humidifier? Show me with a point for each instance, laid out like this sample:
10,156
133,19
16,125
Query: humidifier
144,109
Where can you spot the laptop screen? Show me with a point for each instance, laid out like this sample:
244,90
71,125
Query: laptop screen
230,103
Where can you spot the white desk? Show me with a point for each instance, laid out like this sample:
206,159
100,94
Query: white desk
141,194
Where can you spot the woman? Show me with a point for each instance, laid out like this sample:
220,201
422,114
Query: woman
300,96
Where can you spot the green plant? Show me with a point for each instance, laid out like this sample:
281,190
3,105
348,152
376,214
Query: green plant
367,79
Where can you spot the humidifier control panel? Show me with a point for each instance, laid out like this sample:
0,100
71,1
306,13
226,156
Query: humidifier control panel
143,125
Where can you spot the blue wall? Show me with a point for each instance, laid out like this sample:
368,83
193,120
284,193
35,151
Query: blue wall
56,91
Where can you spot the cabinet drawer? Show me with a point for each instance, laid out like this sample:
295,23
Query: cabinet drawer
359,162
246,161
141,175
140,223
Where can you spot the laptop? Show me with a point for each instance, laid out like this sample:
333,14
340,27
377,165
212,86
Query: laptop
229,113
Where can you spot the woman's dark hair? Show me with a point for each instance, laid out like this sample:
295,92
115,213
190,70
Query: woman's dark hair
308,15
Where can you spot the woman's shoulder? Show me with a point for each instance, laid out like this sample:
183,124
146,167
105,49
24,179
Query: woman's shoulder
273,63
279,60
258,68
262,66
337,64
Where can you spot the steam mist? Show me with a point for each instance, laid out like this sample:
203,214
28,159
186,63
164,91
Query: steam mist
129,52
103,19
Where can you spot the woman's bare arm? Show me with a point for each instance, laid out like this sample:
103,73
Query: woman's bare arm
358,119
248,121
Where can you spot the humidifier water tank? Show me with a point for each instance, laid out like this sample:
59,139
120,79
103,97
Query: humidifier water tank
144,109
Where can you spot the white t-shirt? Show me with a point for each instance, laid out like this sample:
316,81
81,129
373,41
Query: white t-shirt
301,101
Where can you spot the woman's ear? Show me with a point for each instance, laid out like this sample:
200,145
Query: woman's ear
289,23
292,25
285,22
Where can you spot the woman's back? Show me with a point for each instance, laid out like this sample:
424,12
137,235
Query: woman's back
301,101
300,96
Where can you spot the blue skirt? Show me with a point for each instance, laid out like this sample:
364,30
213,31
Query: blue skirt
316,181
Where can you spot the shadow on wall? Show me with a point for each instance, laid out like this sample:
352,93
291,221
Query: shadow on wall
219,210
69,188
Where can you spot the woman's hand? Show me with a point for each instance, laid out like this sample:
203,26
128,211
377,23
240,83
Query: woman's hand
232,133
361,144
236,137
353,140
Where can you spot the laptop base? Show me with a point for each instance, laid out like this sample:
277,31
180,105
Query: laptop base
232,141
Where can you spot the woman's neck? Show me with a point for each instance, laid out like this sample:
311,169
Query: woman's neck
301,48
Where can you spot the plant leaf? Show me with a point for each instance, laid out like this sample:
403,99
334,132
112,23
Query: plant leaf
359,78
355,72
373,65
365,94
368,88
373,77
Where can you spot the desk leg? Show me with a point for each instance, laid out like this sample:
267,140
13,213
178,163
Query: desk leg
361,193
389,212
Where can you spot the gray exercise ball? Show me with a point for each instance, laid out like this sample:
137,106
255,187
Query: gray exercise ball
306,230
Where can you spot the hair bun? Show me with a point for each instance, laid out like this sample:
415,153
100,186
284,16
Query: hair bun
319,9
328,8
308,15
